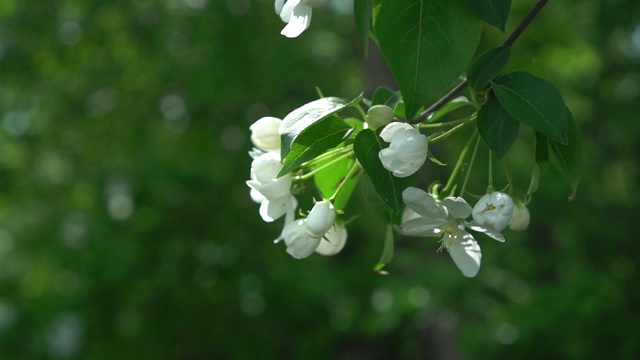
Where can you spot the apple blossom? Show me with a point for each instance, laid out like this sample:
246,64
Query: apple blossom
297,15
272,193
299,243
265,134
447,220
379,115
407,151
333,241
493,210
520,219
321,218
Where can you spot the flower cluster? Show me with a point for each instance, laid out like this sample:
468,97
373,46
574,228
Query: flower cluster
318,232
297,15
424,216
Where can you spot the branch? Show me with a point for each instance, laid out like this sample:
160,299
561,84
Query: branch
463,85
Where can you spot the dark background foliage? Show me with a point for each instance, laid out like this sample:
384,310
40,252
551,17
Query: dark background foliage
127,232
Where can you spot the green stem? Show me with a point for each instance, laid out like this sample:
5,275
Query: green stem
319,168
334,152
490,186
437,125
361,110
456,169
452,131
473,159
350,174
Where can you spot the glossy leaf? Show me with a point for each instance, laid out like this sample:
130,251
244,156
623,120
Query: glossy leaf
367,146
487,66
427,44
316,140
498,129
457,108
303,118
338,180
494,12
385,96
534,102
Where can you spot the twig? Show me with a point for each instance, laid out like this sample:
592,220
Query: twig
463,85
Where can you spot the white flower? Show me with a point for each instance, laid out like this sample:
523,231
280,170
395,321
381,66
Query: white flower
333,241
407,151
520,218
379,115
299,243
448,221
297,15
272,193
493,210
321,218
265,134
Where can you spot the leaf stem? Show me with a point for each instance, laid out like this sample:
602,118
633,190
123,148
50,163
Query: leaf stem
451,131
463,85
321,167
473,159
355,168
458,166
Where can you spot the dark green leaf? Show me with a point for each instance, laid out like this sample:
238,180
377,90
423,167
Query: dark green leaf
456,109
338,180
427,44
569,159
385,96
314,141
302,119
487,66
362,12
494,12
497,128
367,146
534,102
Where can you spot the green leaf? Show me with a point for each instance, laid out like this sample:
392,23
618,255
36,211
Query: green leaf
494,12
387,250
534,102
362,10
569,159
542,151
385,96
487,66
367,145
303,118
427,44
338,180
497,128
456,109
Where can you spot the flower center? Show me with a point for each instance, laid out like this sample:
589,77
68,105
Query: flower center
450,234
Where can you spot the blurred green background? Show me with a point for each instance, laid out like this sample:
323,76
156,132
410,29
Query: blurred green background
127,231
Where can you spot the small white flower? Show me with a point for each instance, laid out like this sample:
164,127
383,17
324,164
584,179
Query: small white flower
333,241
447,220
299,243
265,134
379,115
272,193
520,218
407,151
321,218
494,210
297,15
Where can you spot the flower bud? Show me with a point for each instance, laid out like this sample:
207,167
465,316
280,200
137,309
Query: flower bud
333,241
300,245
494,210
265,133
407,151
264,172
379,115
320,219
520,219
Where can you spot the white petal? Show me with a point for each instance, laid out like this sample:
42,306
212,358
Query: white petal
287,10
299,20
389,130
457,207
488,230
272,210
256,196
520,218
466,255
278,6
321,218
421,202
333,241
299,244
422,227
494,209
